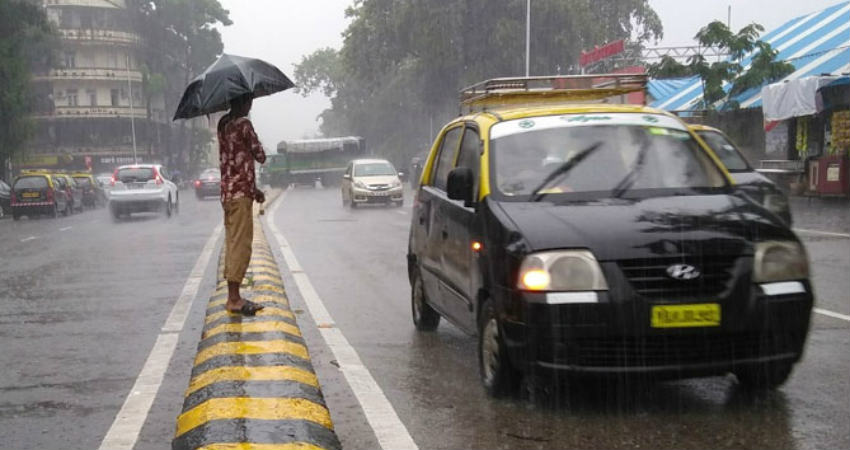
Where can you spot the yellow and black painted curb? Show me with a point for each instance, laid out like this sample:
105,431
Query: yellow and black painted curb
253,386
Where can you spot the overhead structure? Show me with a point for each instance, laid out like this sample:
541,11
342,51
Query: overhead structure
815,44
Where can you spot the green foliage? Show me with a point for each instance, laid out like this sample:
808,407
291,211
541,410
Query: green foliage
27,42
403,61
726,79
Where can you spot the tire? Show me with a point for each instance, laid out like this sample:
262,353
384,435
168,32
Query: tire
16,216
425,318
497,373
766,376
116,216
198,195
177,204
398,204
351,201
168,208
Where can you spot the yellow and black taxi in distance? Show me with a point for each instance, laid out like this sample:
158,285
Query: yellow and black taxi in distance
598,239
36,192
93,194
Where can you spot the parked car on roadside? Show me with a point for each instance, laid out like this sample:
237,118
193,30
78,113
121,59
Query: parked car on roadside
74,189
37,193
371,181
757,186
600,240
142,188
208,184
93,195
5,199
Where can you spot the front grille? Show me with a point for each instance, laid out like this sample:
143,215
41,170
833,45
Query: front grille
672,350
379,187
649,277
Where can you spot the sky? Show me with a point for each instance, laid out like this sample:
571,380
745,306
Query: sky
283,31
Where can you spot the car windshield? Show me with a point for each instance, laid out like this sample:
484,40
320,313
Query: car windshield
725,150
135,174
647,152
31,183
374,170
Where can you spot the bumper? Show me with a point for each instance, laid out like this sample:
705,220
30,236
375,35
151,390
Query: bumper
367,196
210,191
615,338
32,208
128,205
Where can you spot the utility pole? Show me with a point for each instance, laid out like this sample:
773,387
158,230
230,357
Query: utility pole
132,118
527,37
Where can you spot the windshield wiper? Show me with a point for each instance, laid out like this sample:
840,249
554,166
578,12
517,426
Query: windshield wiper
629,180
562,170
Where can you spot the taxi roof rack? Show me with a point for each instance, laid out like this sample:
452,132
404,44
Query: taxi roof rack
532,91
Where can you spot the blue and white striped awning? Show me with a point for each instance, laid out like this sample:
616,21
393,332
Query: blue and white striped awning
817,43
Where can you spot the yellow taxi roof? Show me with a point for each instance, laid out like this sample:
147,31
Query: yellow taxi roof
511,113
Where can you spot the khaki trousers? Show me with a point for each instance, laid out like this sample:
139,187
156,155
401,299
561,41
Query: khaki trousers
239,234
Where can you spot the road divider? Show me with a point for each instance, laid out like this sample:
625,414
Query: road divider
253,385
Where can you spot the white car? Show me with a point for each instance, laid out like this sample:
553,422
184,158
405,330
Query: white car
142,188
371,181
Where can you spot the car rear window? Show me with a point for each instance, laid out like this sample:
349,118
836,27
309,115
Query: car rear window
135,175
83,181
31,183
724,150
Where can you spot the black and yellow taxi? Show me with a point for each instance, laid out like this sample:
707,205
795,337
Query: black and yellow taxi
599,239
748,180
36,192
93,195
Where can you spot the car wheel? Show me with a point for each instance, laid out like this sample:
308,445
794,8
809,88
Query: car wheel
425,318
351,202
116,216
497,374
177,204
198,195
16,216
168,207
399,204
766,376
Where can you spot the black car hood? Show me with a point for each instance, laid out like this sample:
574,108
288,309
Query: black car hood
642,228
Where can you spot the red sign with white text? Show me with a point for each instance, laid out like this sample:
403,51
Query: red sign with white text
599,53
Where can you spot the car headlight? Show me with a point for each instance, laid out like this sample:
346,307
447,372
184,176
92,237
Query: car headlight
564,270
780,261
776,203
360,184
396,183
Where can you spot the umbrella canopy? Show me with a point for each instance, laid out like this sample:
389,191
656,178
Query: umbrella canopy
228,78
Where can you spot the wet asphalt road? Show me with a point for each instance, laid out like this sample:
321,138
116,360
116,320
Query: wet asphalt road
82,300
356,261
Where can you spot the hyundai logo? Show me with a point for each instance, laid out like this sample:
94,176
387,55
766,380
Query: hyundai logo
683,272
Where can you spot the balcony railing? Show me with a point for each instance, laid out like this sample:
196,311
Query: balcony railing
84,35
94,112
118,4
77,73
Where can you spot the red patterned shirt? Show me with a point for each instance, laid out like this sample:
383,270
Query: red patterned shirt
238,149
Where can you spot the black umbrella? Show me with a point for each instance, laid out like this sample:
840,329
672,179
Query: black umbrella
228,78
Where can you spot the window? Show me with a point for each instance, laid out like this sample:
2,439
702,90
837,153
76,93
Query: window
70,60
445,160
724,150
72,97
470,154
92,97
114,96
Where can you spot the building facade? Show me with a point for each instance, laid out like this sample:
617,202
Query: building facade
92,109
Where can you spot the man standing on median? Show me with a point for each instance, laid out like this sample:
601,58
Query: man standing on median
238,149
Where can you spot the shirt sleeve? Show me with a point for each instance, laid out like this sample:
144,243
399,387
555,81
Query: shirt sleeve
250,136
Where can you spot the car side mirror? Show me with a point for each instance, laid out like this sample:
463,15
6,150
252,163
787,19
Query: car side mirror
346,177
460,185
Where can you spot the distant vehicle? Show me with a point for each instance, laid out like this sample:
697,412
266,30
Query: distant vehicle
39,193
305,161
208,184
93,194
5,198
759,187
74,189
105,180
597,239
371,181
142,188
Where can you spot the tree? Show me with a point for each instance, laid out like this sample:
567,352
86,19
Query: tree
724,80
27,42
403,62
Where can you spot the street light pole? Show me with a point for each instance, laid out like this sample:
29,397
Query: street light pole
132,118
527,37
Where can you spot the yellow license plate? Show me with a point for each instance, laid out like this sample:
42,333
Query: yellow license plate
686,316
31,194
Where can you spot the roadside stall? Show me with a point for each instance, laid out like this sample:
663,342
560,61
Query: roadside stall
816,112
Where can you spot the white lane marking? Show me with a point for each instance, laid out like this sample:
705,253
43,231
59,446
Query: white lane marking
65,228
832,314
124,432
822,233
385,423
31,238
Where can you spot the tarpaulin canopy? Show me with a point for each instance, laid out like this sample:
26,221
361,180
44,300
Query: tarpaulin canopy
815,44
795,98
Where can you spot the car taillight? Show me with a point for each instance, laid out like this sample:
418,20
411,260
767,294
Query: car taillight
14,198
157,178
114,178
197,183
49,194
